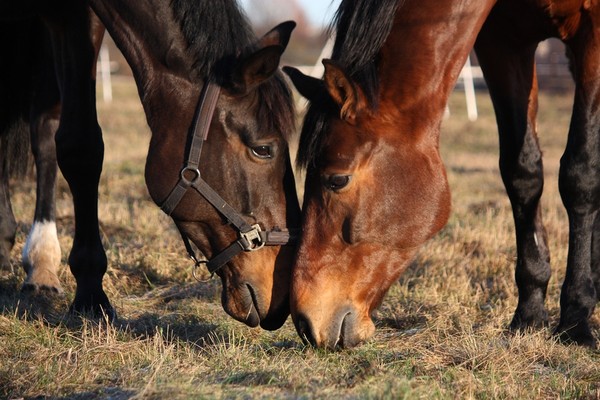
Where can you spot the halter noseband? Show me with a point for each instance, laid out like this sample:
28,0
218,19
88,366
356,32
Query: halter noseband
250,237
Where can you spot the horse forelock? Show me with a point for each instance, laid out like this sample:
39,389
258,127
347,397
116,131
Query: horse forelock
314,128
217,33
361,28
276,110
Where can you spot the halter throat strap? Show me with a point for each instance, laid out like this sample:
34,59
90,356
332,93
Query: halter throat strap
250,237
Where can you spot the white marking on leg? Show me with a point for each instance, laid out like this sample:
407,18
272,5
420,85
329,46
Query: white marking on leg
535,239
42,249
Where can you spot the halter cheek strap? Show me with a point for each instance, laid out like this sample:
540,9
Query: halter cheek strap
250,237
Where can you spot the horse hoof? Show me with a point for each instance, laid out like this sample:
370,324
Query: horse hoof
520,323
33,288
42,281
101,312
109,314
579,334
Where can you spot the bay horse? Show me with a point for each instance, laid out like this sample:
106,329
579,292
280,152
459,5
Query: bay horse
376,186
220,114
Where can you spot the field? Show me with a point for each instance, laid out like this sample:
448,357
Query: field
440,331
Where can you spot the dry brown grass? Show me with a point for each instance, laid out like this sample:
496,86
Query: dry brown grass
440,330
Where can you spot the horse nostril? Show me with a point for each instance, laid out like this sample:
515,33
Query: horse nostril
304,330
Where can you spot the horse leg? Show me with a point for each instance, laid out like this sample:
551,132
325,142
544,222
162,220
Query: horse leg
80,150
509,71
596,256
14,99
8,225
579,184
41,254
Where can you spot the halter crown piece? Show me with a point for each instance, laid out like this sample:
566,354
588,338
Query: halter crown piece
250,237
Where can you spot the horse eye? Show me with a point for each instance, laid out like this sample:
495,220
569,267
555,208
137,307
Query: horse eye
264,151
336,182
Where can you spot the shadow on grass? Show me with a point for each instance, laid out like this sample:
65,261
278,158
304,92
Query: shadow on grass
187,328
51,309
43,305
405,323
205,290
113,393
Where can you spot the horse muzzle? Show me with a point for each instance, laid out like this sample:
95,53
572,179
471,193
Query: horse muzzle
343,329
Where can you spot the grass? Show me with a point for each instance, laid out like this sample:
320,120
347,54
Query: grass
440,331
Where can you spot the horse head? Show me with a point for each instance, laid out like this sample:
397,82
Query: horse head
244,161
372,196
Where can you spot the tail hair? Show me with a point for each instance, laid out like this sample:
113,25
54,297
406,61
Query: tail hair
15,149
17,42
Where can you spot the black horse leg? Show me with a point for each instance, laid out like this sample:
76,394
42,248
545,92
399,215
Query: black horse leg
41,254
80,150
509,70
579,184
15,72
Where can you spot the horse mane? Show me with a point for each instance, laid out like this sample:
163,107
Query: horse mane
217,33
361,28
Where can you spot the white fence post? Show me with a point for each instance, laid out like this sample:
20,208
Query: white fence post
104,61
467,77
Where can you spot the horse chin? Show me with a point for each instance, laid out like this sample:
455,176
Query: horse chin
244,305
276,318
240,303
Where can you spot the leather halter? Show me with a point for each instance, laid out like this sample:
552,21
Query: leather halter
250,237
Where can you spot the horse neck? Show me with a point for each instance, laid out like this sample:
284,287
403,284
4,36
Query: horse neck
156,52
422,58
152,43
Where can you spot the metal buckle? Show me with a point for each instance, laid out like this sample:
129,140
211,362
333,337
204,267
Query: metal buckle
197,264
195,177
252,239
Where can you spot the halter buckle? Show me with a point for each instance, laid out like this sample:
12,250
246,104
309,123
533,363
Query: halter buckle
194,172
252,239
197,264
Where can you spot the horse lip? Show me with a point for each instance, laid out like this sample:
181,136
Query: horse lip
253,318
342,334
302,326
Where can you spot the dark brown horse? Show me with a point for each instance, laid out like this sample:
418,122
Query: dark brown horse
220,115
376,186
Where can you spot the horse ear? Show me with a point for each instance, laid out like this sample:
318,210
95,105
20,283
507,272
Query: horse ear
344,91
257,67
307,86
280,35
